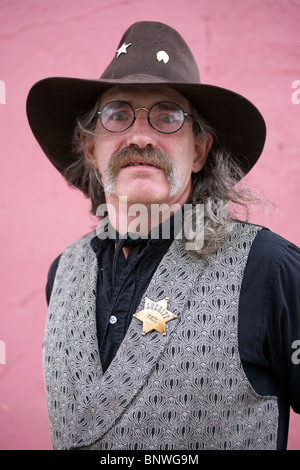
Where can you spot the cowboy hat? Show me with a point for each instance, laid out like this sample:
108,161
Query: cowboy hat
149,53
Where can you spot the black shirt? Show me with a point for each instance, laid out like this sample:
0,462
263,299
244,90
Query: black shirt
269,309
121,285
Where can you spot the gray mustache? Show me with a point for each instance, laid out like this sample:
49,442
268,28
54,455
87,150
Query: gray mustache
148,155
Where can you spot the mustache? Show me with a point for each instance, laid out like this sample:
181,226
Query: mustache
150,156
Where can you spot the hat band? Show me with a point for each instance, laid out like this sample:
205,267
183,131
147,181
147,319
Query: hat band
139,79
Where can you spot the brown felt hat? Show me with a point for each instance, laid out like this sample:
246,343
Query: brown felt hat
149,53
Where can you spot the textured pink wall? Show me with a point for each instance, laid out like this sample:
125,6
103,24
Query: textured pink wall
250,46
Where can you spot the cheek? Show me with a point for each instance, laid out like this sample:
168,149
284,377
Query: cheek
102,152
185,162
182,149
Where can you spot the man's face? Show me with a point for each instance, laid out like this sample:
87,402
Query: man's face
169,180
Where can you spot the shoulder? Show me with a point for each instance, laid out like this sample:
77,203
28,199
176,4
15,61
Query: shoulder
269,245
76,248
273,262
81,242
272,259
267,237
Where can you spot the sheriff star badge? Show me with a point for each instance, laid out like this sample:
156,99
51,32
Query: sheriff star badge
155,316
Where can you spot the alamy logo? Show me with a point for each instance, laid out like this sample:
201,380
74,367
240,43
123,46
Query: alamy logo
188,222
2,352
296,354
2,92
296,94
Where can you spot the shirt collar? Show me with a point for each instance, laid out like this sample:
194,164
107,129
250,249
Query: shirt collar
166,231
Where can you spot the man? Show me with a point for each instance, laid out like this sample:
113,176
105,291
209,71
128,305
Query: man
156,337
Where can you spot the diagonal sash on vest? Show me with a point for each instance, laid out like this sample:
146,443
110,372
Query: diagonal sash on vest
185,390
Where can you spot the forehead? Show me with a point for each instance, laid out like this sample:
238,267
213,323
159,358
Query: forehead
142,95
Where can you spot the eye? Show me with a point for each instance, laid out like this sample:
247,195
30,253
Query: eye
166,114
167,118
119,116
115,114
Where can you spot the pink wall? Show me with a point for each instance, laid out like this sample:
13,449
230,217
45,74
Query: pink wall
250,46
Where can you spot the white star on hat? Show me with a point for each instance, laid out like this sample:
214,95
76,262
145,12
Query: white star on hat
123,49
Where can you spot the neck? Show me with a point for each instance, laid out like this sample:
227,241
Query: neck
140,219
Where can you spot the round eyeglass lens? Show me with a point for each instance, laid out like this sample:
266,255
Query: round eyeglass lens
117,116
166,117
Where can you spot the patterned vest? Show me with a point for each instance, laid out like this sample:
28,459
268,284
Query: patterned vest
183,390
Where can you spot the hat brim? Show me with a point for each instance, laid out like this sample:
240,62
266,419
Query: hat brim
53,105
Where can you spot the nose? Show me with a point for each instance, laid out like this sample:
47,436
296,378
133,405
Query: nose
141,133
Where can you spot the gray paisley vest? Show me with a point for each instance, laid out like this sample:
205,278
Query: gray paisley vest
184,390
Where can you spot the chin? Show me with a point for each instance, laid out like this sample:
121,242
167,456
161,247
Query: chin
146,199
145,194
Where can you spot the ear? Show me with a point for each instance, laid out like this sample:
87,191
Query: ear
203,145
88,147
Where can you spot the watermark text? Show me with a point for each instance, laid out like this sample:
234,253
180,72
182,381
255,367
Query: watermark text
151,459
296,94
296,353
2,92
2,352
159,221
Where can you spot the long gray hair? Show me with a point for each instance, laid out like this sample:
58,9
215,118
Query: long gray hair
217,186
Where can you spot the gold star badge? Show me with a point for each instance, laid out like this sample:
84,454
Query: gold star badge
155,316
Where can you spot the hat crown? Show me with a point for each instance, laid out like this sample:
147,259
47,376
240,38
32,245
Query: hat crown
154,50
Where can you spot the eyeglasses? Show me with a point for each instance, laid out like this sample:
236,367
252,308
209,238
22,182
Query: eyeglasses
165,117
